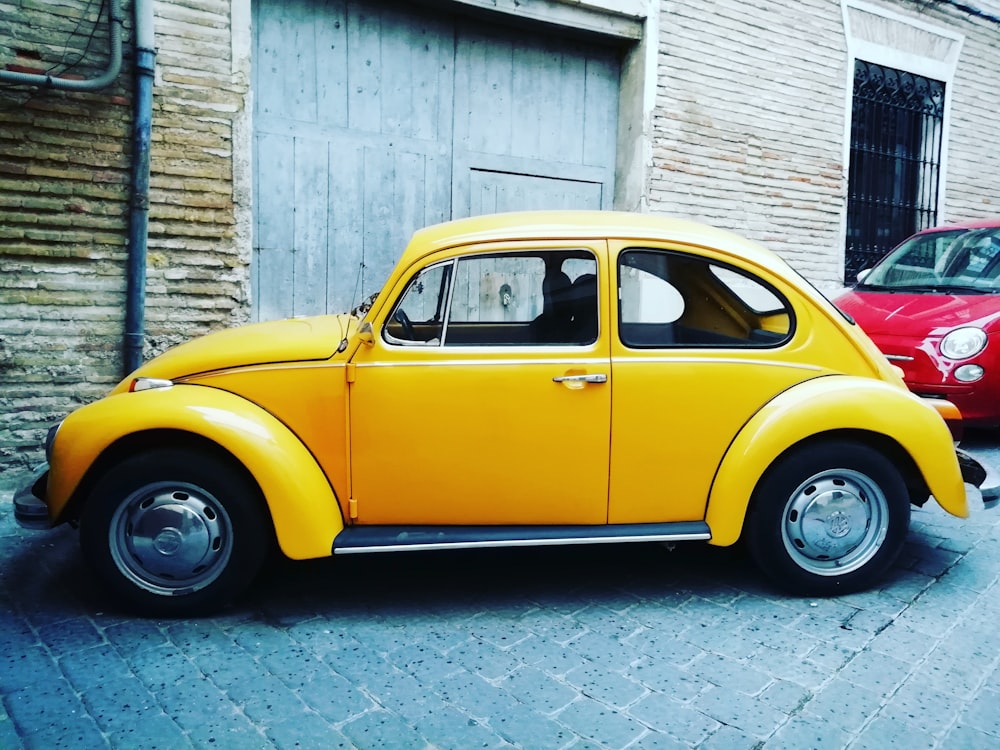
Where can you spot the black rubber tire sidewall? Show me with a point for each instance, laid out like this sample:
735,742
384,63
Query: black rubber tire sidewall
251,534
763,533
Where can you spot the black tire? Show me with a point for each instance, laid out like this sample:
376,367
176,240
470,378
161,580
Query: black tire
828,518
175,533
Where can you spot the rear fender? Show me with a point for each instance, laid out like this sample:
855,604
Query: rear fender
302,504
826,405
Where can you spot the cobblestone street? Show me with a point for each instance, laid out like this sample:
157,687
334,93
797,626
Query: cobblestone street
600,647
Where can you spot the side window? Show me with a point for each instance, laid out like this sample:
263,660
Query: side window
524,298
673,300
496,289
751,292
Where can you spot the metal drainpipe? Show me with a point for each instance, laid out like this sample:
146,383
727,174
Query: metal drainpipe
135,301
108,77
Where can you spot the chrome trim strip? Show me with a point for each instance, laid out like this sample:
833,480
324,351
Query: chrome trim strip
446,315
308,364
568,359
562,362
690,360
689,537
898,358
391,344
149,384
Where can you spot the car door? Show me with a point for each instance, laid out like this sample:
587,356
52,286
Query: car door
485,397
699,347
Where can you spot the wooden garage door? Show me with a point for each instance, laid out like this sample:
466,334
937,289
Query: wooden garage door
373,119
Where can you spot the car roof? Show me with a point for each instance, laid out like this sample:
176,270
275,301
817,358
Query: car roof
989,223
570,225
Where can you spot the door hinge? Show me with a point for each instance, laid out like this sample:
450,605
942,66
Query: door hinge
350,372
352,508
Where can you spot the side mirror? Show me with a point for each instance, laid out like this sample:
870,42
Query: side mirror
862,275
366,334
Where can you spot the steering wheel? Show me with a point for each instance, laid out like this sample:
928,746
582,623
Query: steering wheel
404,321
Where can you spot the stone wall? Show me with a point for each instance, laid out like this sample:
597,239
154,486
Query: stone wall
64,173
64,197
198,260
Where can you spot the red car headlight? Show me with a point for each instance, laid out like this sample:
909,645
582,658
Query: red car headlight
963,343
969,373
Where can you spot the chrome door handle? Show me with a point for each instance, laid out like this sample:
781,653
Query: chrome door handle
596,378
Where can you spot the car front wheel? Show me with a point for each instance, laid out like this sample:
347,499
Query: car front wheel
174,532
829,518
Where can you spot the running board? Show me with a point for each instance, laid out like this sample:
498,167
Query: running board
358,539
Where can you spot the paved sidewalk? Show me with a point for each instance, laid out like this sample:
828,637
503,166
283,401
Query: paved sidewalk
602,647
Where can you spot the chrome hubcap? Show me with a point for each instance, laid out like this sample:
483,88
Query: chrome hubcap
171,538
835,522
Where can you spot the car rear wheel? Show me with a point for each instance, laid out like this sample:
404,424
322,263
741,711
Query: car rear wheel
173,532
829,518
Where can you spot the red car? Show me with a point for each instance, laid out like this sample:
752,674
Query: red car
932,305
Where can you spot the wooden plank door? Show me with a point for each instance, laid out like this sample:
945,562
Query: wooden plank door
352,147
535,122
375,117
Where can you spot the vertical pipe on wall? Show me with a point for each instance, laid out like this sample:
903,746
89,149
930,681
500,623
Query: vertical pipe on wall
135,302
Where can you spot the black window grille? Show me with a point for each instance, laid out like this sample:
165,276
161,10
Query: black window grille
896,127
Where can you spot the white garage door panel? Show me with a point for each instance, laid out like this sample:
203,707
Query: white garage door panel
375,118
541,108
332,219
513,98
399,199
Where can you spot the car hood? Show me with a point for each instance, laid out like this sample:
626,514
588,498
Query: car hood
293,340
891,313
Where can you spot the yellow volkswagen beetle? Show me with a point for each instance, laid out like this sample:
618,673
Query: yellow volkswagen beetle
522,379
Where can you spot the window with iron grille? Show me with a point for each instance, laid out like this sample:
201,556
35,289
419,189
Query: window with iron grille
896,127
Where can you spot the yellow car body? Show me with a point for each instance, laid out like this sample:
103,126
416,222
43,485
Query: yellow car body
477,425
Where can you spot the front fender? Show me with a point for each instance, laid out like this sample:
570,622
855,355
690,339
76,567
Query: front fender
302,504
828,404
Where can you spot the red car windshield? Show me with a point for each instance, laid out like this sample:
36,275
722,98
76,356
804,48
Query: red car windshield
951,261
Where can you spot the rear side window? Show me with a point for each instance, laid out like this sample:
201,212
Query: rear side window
669,299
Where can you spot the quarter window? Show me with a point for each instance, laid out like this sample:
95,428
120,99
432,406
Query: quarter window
674,300
530,298
418,317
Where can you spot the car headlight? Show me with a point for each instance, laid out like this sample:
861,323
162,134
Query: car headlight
963,343
969,373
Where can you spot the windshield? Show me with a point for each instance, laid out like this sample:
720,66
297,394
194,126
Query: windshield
957,261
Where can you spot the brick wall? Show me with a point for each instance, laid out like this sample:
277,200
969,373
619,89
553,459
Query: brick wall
64,179
748,133
198,274
63,208
752,112
973,179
